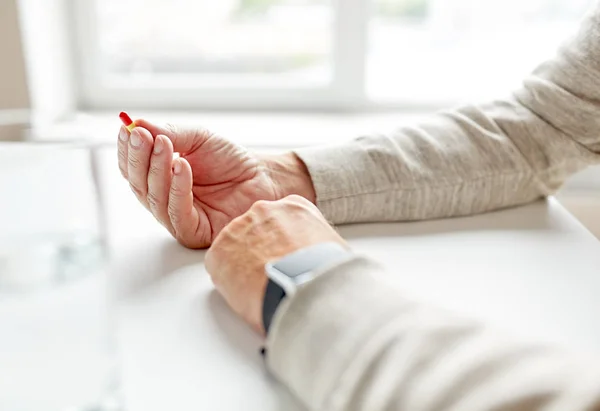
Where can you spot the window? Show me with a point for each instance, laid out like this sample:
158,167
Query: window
246,40
424,51
311,53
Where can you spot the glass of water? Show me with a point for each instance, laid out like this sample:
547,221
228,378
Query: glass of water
55,346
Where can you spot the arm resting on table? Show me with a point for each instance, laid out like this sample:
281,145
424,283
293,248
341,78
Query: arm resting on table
475,158
347,341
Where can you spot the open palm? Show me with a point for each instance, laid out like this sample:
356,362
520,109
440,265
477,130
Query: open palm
197,195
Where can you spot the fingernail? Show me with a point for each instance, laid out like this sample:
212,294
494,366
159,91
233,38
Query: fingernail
136,140
177,167
158,145
123,134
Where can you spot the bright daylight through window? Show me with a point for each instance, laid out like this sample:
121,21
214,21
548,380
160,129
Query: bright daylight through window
425,51
422,52
271,38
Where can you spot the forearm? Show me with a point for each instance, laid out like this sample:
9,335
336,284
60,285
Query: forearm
350,342
476,158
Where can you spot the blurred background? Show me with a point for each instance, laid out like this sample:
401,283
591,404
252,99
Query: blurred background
266,73
401,52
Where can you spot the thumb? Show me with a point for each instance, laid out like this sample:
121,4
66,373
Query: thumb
184,140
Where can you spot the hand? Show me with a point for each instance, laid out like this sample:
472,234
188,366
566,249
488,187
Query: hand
268,231
213,181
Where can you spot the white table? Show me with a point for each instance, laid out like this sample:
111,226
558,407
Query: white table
533,270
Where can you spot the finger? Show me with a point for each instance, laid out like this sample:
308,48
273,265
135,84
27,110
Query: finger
159,180
138,162
122,149
184,140
184,217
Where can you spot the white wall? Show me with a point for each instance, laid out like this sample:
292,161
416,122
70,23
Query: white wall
14,94
47,46
37,86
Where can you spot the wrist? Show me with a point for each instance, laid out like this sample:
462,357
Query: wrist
290,176
294,270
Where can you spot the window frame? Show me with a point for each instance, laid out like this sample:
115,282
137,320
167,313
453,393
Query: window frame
347,89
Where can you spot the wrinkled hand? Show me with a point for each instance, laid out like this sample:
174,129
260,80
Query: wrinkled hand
213,181
268,231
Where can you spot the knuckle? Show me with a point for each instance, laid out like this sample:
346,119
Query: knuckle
137,190
134,162
235,224
122,160
205,133
191,242
177,191
201,135
172,127
153,200
174,214
296,200
230,231
184,241
122,155
154,170
261,206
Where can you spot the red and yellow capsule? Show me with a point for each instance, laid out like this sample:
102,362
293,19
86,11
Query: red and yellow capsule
127,121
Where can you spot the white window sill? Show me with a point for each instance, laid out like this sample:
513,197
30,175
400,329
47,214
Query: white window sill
255,130
263,130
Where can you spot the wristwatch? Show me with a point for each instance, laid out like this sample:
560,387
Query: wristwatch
289,273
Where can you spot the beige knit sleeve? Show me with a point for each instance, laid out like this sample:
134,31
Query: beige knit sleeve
475,158
350,342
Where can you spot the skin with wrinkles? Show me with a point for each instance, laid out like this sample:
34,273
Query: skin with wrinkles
268,231
198,194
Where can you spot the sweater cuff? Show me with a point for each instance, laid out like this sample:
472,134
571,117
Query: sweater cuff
317,333
339,174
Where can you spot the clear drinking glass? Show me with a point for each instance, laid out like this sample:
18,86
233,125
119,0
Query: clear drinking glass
55,346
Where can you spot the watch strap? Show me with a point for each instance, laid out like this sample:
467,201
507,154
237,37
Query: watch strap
293,270
273,296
